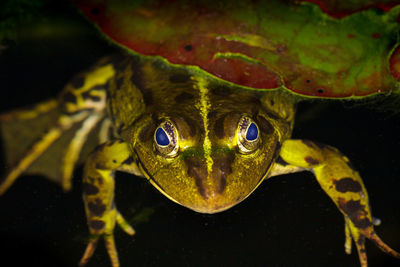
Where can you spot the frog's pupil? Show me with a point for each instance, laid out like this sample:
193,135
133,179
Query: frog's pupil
161,137
252,132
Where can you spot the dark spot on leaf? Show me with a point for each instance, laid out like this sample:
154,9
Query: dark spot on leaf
89,189
347,185
281,49
308,81
188,47
320,91
376,35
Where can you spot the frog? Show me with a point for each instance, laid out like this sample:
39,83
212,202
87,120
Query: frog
203,142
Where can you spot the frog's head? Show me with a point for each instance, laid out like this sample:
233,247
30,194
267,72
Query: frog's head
208,161
204,145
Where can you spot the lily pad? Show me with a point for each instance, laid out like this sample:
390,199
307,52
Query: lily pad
264,44
340,9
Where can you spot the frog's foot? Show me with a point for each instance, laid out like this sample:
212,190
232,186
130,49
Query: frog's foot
108,240
64,123
359,235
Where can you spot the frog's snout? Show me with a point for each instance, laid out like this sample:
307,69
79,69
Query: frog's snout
211,176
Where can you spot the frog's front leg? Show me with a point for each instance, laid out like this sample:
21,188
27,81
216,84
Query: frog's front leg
343,185
98,195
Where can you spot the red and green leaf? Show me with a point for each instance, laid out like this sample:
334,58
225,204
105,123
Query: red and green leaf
265,44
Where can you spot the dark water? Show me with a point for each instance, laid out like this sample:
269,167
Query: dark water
288,221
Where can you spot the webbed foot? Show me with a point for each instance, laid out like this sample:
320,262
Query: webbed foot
359,235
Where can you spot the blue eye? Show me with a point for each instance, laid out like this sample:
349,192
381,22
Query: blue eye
166,139
161,137
248,135
252,132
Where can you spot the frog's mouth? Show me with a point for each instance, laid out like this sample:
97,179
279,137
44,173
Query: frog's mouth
146,173
205,195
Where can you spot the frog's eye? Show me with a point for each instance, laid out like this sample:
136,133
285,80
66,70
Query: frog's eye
248,135
166,139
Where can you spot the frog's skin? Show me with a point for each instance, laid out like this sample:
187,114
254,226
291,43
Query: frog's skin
210,162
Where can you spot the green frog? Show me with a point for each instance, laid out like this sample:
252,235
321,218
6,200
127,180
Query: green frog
204,143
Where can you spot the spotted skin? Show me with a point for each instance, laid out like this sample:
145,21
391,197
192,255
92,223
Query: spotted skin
131,96
98,195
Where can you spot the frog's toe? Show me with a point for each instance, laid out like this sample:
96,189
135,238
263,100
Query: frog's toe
110,246
124,224
90,248
382,245
362,254
360,235
112,250
360,244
